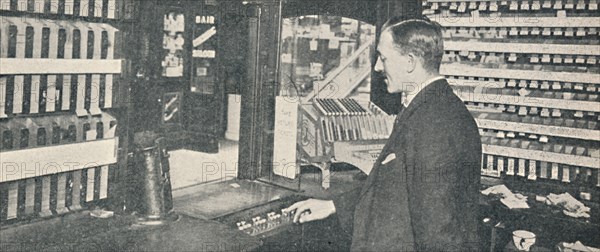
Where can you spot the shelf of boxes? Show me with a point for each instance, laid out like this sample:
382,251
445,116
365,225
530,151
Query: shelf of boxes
528,72
57,135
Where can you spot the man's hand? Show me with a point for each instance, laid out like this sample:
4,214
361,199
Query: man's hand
311,209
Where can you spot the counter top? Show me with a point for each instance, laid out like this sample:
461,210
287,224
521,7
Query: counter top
81,232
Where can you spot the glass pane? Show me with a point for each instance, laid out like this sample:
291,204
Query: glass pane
326,57
321,57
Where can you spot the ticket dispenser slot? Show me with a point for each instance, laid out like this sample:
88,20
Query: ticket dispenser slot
99,130
86,128
71,134
41,137
24,139
7,140
56,134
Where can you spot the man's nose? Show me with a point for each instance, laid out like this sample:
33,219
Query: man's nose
378,65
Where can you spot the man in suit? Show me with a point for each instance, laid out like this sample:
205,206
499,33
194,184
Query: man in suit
421,194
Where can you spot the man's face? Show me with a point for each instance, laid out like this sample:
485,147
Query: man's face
391,62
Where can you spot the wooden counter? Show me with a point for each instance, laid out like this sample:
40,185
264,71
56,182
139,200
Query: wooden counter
81,232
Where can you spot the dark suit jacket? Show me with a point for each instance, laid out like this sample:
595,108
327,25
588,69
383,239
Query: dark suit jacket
426,198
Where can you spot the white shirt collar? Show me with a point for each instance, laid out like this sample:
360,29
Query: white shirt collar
423,85
432,80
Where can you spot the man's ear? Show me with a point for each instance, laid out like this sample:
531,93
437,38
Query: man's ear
412,62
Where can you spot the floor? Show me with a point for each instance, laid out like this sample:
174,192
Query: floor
190,168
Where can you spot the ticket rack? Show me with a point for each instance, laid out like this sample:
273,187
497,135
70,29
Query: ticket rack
335,130
59,84
528,71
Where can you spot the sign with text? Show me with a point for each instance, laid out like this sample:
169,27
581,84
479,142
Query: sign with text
204,52
173,42
286,133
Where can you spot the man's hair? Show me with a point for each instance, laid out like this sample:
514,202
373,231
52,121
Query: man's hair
418,36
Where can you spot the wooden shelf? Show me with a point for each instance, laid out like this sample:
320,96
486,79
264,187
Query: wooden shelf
458,69
498,98
544,156
476,83
38,8
36,162
559,22
539,129
522,48
448,1
58,66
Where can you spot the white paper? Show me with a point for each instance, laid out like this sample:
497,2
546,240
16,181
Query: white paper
509,199
284,149
90,135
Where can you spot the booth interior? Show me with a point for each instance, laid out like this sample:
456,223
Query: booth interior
188,125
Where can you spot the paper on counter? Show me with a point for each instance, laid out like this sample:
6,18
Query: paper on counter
540,198
501,190
102,214
509,199
580,214
571,206
579,247
514,203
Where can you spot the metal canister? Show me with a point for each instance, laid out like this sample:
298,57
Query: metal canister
152,205
166,176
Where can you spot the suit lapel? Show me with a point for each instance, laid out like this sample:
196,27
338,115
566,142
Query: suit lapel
389,148
435,90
